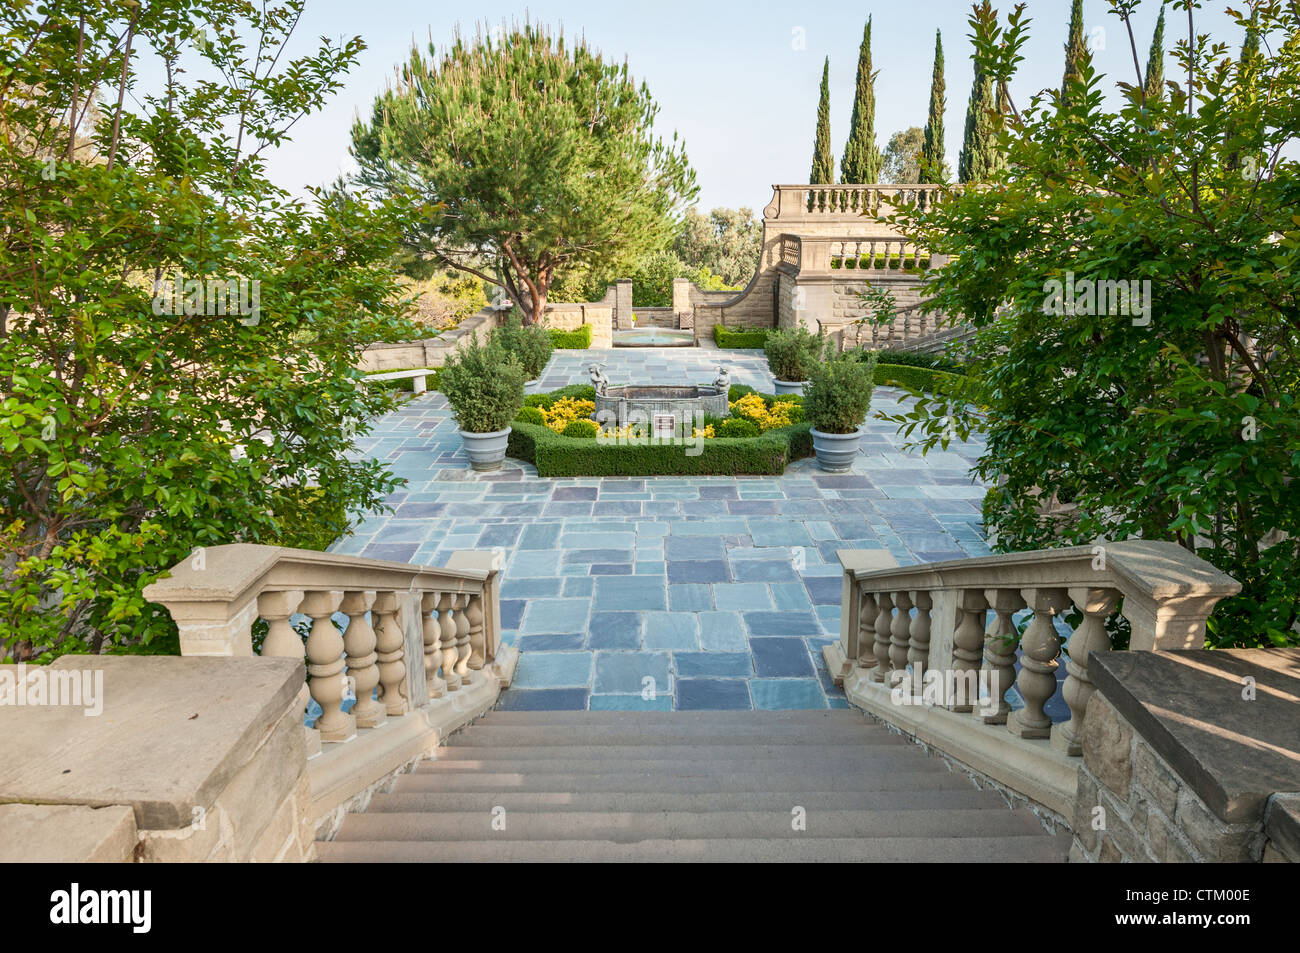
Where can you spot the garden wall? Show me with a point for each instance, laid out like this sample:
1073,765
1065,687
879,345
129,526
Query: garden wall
429,352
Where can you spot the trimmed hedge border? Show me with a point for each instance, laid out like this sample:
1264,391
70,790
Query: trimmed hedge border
555,455
916,378
752,338
579,339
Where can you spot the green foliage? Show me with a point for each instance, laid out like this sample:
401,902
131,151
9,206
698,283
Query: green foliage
726,337
917,379
823,166
529,345
936,362
934,162
737,391
530,414
483,386
792,354
576,391
129,434
1077,57
727,244
1177,422
576,340
902,161
582,429
862,162
839,394
1153,84
533,152
736,427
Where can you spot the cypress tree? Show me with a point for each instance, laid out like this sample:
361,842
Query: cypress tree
933,164
1154,84
980,157
862,159
1076,51
823,166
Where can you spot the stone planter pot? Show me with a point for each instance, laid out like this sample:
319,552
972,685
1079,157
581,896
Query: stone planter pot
533,387
486,450
836,451
789,387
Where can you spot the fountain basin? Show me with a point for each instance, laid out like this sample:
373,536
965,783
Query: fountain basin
652,404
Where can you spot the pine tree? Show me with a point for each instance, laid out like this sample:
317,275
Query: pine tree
1249,52
933,161
862,159
980,157
1076,51
823,166
1154,84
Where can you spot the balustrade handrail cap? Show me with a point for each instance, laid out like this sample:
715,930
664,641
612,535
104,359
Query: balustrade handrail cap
1155,569
231,571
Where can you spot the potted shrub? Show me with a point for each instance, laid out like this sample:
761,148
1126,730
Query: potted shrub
486,389
530,346
791,357
836,404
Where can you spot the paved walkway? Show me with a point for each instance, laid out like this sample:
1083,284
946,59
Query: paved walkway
668,592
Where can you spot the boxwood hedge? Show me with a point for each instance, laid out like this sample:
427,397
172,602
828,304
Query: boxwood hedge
743,337
576,340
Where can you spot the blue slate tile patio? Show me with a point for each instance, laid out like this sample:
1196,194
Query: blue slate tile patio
658,593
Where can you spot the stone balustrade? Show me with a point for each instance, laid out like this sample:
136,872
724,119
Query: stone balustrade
933,648
418,640
804,202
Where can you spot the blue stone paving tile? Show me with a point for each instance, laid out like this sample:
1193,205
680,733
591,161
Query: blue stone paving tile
787,693
692,548
699,571
502,534
611,569
397,552
630,592
531,588
712,694
713,664
671,630
777,657
615,630
752,507
660,701
792,597
782,623
778,533
741,596
579,586
717,493
550,643
561,699
722,632
540,536
553,670
574,493
540,562
512,611
627,672
725,526
597,555
765,570
824,590
690,598
555,615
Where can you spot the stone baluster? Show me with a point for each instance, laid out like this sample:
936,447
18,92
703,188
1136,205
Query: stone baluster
461,664
1091,636
432,638
1040,648
900,634
360,642
918,647
282,641
884,625
1000,641
391,651
447,643
968,648
867,612
477,642
325,665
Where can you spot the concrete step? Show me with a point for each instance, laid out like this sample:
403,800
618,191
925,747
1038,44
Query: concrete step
541,754
967,798
572,735
1032,848
874,779
853,762
632,826
738,718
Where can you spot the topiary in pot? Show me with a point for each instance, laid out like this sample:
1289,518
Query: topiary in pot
836,403
791,357
487,391
530,346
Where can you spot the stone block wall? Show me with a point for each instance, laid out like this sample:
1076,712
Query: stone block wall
568,317
1132,807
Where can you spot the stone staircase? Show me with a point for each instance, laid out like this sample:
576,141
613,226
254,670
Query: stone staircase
686,786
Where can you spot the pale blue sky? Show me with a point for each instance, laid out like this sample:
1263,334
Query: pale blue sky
728,75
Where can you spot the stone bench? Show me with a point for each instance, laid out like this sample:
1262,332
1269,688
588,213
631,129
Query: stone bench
419,375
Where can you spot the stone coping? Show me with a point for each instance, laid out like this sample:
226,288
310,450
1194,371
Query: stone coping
1234,753
1282,825
172,733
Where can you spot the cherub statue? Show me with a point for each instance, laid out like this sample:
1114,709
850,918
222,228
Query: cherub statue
723,381
598,379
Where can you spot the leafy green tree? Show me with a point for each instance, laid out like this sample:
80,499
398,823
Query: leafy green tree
178,336
903,156
1153,83
532,153
934,161
1169,412
823,166
727,242
1076,50
862,160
